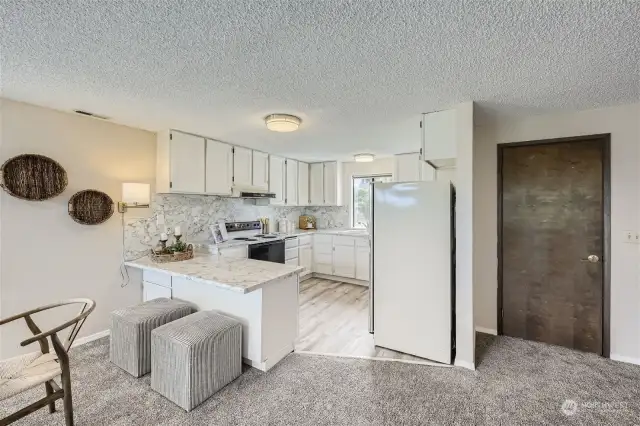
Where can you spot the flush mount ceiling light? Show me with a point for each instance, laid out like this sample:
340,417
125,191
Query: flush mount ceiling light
282,122
363,158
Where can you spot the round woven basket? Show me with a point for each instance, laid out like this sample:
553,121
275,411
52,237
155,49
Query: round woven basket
90,207
33,177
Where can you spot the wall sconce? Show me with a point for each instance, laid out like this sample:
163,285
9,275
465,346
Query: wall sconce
134,195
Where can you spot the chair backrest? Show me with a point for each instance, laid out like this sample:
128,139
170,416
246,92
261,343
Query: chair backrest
76,323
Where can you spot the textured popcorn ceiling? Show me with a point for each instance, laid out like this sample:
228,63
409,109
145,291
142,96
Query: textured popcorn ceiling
358,72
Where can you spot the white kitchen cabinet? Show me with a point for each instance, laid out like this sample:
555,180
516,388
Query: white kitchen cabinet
324,184
332,184
406,167
439,135
219,166
362,263
303,184
291,198
305,258
152,291
260,175
410,168
180,163
316,184
242,166
344,261
277,175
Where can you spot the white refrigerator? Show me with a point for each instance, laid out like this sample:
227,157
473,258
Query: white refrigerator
412,290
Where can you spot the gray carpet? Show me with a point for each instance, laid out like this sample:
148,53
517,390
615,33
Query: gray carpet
517,383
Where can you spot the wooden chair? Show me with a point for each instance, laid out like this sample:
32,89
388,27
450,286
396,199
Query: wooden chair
25,372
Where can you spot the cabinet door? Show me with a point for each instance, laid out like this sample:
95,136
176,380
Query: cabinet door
233,252
303,184
344,261
407,167
187,163
439,135
242,166
219,168
276,179
305,257
316,184
292,183
152,291
261,170
331,184
362,263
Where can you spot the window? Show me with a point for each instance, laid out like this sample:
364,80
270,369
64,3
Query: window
361,190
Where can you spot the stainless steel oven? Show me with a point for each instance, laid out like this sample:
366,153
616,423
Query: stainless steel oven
270,251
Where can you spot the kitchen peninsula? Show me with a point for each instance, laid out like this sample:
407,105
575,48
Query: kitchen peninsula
263,296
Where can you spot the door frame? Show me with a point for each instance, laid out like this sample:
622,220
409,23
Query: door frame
606,217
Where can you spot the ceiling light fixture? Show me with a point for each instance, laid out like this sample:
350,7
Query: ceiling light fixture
364,158
282,122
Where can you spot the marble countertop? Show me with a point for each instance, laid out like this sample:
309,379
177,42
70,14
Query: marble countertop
239,275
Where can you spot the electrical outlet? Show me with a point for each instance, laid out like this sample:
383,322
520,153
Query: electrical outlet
160,220
636,237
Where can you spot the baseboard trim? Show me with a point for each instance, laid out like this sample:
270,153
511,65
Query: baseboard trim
371,358
627,359
465,364
341,279
487,330
90,338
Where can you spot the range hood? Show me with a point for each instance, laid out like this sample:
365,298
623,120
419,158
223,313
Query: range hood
251,192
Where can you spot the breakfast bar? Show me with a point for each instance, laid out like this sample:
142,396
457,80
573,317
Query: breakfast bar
263,296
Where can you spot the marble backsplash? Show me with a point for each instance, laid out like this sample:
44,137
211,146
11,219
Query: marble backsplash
195,213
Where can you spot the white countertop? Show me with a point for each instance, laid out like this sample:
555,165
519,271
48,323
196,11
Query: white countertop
240,275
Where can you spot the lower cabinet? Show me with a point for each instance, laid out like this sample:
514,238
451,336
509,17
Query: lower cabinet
344,261
152,291
305,258
362,263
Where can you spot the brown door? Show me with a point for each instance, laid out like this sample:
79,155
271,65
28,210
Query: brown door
552,197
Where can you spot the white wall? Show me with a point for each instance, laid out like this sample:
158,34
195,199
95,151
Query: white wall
465,237
46,256
350,169
624,125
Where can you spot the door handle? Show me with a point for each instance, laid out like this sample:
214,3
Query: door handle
591,258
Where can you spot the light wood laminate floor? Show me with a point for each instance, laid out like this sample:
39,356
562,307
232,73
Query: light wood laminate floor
334,320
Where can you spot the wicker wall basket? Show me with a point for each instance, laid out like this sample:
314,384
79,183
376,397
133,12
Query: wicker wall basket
33,177
90,207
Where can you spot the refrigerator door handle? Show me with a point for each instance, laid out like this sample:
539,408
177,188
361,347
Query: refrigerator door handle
371,257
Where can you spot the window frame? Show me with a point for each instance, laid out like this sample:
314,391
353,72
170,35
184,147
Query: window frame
372,177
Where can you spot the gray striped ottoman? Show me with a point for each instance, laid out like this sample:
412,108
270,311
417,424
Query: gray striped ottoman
130,345
194,357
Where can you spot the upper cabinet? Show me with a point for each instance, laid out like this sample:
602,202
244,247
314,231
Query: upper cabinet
439,135
316,184
260,177
410,168
277,175
186,163
219,166
242,166
303,184
291,182
324,184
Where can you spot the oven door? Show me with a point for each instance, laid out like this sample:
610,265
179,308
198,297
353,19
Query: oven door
273,251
